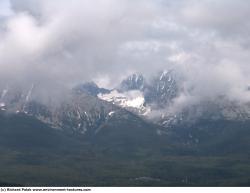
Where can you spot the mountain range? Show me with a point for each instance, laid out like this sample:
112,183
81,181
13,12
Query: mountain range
125,136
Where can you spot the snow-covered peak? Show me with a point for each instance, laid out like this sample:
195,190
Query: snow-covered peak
162,89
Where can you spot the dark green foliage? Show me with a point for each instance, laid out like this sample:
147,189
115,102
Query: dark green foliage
24,132
124,153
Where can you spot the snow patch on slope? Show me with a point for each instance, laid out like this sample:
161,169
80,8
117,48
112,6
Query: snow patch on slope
130,99
111,113
126,99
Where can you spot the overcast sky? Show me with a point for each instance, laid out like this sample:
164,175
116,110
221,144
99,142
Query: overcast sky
65,42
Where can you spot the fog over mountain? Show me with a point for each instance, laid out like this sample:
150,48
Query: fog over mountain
58,44
123,93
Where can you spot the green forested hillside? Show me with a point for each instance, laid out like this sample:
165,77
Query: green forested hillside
123,153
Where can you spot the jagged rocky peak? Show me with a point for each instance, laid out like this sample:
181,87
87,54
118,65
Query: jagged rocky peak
137,94
162,88
166,84
90,88
135,81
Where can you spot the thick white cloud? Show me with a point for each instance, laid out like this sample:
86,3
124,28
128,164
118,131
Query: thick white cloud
66,42
70,41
